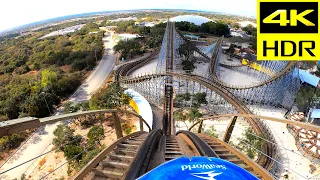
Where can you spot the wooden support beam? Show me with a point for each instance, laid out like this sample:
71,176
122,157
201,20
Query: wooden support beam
200,127
117,125
229,130
141,123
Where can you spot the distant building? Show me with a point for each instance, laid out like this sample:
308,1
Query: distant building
314,116
146,24
192,37
238,33
126,37
197,20
124,19
246,23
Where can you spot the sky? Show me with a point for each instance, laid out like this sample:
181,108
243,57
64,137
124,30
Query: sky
18,12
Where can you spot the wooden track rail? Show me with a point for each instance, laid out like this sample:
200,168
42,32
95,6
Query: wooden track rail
214,61
227,152
255,123
18,125
294,123
97,159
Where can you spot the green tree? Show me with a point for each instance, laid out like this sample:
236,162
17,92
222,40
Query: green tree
109,98
305,96
194,114
186,26
69,107
186,50
179,116
21,92
129,48
64,134
251,144
73,152
88,156
216,28
188,65
84,106
23,177
212,132
95,134
143,30
250,30
235,25
199,99
4,141
48,77
125,99
10,142
182,98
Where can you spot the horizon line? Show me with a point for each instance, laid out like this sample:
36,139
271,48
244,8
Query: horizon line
87,14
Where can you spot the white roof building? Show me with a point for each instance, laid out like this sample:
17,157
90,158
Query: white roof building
197,20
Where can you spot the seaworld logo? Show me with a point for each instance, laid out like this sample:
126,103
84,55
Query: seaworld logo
206,175
203,166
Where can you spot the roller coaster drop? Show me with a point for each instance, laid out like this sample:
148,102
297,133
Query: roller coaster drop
132,156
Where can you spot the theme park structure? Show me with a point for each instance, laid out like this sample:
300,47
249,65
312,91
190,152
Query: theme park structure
131,156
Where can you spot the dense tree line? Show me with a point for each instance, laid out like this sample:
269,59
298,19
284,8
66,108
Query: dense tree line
2,38
151,38
129,48
21,55
305,97
250,30
111,97
129,27
30,70
156,35
214,28
33,77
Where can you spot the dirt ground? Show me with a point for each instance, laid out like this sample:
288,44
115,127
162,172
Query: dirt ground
52,160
